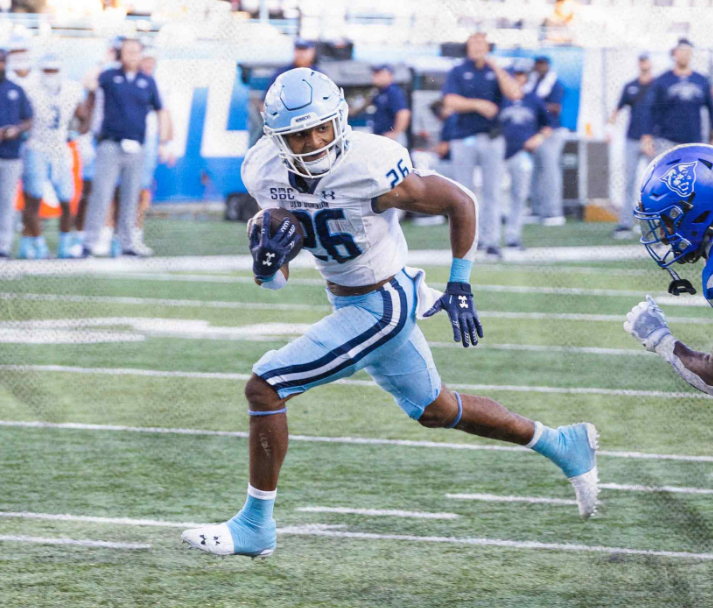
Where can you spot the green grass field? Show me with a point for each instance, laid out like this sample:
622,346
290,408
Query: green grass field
121,354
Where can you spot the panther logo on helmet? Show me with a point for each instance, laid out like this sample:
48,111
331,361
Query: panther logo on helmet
681,178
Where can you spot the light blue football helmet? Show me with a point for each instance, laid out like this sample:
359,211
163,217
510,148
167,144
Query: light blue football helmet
302,99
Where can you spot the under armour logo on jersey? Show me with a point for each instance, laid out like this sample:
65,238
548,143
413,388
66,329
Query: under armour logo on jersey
463,301
681,178
328,194
268,259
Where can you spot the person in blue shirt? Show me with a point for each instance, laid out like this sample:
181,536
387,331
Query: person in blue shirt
674,105
526,126
15,119
547,172
474,90
129,96
633,96
392,116
305,57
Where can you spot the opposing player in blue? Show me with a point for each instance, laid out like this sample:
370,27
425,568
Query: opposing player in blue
676,216
345,188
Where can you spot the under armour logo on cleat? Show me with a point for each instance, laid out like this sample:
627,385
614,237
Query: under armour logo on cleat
463,301
268,259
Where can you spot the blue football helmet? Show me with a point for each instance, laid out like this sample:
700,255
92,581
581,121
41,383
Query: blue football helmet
676,207
302,99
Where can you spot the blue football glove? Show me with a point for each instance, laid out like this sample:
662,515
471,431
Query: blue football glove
270,252
458,303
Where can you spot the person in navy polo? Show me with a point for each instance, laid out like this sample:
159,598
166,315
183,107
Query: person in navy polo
391,117
129,95
15,119
474,90
633,96
673,105
547,173
526,126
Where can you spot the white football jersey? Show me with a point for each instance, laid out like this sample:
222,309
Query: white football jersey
53,112
353,245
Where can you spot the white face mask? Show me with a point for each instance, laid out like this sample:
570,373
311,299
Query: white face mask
321,165
51,81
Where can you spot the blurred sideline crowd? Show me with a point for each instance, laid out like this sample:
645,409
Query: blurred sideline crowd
498,126
506,123
118,124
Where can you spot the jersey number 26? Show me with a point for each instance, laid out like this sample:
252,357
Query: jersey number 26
336,244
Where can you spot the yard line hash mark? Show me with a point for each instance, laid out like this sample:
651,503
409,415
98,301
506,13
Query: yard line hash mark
346,440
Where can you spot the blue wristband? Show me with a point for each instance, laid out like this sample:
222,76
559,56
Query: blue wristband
460,271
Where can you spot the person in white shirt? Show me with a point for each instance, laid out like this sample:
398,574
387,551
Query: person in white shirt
56,101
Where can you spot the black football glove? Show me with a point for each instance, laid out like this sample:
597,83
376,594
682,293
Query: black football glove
458,303
270,252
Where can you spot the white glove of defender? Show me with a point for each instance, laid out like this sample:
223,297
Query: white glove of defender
647,323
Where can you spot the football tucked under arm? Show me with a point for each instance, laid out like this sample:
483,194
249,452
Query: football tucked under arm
647,323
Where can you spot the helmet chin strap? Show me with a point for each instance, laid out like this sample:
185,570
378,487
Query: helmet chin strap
679,285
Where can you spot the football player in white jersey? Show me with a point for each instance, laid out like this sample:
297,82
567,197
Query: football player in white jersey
56,101
676,216
345,188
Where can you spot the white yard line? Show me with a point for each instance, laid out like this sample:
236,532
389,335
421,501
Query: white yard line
661,297
655,489
498,498
492,542
101,544
46,297
379,512
330,531
577,350
412,443
220,304
556,390
115,521
224,263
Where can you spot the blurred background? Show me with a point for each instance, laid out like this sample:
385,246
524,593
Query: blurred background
214,60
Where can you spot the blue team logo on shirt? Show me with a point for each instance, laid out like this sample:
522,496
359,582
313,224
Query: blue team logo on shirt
681,178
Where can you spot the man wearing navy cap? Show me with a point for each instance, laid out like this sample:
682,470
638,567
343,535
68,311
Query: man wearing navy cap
305,57
15,119
673,105
392,116
526,127
547,174
129,96
474,90
633,95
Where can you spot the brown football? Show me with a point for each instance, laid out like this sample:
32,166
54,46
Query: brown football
277,216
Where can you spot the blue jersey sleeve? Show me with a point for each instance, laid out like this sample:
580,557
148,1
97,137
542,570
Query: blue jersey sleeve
556,94
397,100
155,97
544,118
624,99
25,106
451,86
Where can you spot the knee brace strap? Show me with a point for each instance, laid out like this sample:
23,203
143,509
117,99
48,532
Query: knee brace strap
460,412
273,412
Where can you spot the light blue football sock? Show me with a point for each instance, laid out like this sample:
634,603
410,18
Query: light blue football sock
568,447
257,511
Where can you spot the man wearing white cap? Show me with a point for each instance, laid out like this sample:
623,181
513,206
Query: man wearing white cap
55,101
19,61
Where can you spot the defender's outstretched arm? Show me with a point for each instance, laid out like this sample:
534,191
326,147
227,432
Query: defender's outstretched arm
647,323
